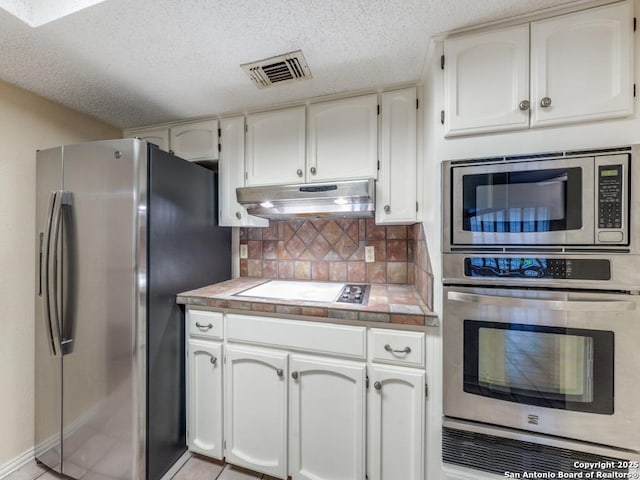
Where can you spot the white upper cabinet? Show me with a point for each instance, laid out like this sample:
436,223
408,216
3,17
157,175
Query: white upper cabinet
396,185
231,176
275,147
196,140
486,81
577,67
343,139
582,65
158,136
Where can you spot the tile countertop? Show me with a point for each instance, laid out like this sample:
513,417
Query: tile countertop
390,304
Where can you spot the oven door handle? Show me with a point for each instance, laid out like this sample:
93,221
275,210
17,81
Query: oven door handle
595,305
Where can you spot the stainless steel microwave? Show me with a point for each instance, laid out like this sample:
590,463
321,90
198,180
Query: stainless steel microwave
567,199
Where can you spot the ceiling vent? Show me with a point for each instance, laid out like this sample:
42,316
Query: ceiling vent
286,68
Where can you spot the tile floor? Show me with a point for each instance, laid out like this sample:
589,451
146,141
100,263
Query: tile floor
196,468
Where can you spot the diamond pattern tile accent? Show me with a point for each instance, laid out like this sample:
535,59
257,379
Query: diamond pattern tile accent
319,247
332,232
295,246
345,246
307,232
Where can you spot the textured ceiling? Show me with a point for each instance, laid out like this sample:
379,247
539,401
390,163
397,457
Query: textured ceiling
140,62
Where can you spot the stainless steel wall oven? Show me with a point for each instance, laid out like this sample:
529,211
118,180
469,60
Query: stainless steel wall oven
541,273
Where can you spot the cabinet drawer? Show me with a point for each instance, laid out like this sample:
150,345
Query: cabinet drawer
300,335
392,346
201,323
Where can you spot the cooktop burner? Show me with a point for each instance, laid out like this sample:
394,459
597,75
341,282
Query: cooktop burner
352,293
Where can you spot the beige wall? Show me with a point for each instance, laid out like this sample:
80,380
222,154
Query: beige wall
27,123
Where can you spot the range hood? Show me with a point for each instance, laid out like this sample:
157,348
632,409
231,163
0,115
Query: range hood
354,198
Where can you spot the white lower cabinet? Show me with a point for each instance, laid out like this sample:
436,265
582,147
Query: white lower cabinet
255,419
299,409
327,415
396,423
204,397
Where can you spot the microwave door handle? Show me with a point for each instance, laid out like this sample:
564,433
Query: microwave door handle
562,305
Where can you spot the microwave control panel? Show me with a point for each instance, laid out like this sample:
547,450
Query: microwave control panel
610,196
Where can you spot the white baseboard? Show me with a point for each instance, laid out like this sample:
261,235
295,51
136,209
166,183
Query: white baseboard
16,463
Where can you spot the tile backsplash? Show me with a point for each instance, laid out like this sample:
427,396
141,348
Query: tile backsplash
334,250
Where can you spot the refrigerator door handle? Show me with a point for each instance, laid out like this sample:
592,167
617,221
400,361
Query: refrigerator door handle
44,272
60,198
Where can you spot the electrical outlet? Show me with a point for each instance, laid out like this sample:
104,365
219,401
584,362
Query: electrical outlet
369,254
244,250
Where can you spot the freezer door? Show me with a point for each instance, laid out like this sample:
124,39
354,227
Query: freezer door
100,294
48,365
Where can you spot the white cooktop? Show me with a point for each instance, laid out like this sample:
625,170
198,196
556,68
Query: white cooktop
292,290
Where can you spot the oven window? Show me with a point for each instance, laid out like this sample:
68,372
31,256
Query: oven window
527,201
570,369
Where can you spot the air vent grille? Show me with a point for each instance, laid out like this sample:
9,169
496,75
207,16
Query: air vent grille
289,67
499,455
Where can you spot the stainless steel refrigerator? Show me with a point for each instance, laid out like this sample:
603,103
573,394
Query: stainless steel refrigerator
121,228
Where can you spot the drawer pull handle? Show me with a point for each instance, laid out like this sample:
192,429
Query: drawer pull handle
406,350
204,327
213,360
377,386
279,372
294,375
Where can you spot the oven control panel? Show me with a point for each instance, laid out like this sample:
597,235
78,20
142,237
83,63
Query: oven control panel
534,268
610,196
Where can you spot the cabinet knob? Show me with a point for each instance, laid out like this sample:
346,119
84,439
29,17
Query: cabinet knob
238,215
279,372
313,170
545,102
377,386
387,208
524,105
299,172
294,375
213,360
209,326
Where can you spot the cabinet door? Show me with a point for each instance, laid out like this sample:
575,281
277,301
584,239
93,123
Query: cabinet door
275,147
157,136
256,409
582,65
396,185
204,398
231,176
327,414
196,141
343,139
486,78
396,413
